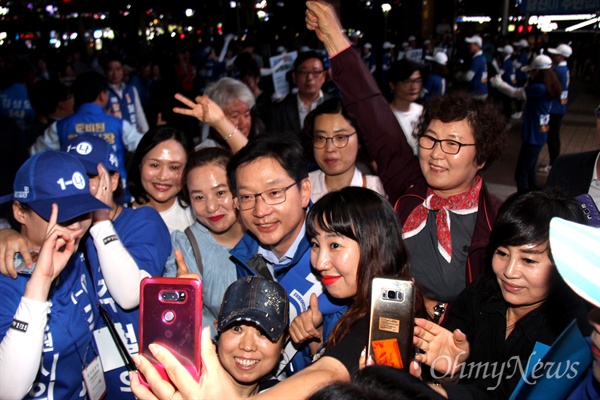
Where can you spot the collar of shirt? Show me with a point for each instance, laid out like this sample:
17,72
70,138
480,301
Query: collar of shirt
303,110
117,88
562,63
272,259
479,53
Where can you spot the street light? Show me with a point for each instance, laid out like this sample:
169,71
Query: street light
385,7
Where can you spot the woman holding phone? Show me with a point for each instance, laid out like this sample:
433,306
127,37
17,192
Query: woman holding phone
349,246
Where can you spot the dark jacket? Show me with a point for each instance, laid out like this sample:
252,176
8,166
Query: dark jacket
397,167
573,172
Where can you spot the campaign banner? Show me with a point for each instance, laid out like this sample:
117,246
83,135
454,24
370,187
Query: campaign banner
283,63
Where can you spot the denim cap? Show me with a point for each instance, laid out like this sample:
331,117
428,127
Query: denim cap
91,151
54,177
258,300
575,252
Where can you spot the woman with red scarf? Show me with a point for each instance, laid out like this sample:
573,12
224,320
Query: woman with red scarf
445,208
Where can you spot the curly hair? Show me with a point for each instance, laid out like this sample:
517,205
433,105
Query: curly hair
484,118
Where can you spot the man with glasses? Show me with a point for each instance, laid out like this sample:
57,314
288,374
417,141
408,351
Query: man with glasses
309,75
406,84
272,192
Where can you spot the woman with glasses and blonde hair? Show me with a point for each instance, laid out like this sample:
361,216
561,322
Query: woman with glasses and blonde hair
330,139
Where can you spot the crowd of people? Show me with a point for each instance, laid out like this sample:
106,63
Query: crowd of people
286,209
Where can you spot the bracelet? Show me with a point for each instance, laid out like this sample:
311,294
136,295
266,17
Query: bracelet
232,133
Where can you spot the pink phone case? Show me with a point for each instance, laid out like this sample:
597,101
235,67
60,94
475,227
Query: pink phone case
171,315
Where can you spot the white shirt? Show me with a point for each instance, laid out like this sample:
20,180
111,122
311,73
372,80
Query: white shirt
319,189
142,123
408,122
303,110
178,218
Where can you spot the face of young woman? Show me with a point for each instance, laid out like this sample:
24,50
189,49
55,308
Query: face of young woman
161,173
331,159
524,274
449,174
211,198
336,258
247,354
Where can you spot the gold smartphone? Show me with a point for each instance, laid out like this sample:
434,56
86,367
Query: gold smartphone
391,322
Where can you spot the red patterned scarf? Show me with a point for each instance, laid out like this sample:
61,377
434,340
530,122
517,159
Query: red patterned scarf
463,203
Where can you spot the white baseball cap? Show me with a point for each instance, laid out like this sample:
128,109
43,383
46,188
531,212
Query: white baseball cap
411,37
388,45
367,46
540,62
521,43
475,39
564,50
508,49
440,58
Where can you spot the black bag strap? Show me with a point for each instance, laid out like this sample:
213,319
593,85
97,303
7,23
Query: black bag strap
196,249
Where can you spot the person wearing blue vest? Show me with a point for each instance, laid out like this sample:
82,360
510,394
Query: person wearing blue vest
559,106
90,90
125,245
123,99
436,83
477,74
14,99
522,59
543,86
272,192
48,311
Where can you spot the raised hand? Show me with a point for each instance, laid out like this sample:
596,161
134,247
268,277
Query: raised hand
321,18
444,351
204,109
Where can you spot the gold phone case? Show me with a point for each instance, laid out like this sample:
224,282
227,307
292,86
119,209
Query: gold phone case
391,322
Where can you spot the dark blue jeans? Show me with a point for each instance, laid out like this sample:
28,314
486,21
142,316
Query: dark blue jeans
525,173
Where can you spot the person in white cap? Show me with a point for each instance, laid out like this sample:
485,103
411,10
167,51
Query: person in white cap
507,72
368,57
522,59
559,106
542,87
477,74
436,83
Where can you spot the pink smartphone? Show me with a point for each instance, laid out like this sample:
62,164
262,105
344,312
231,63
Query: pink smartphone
171,315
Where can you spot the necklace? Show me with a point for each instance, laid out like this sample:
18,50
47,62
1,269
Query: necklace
114,216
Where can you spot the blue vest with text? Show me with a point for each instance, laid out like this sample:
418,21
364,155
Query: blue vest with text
122,107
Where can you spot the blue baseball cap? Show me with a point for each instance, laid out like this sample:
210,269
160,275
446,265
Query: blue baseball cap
54,177
91,151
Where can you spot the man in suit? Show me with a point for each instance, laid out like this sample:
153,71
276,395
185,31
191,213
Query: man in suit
580,172
309,75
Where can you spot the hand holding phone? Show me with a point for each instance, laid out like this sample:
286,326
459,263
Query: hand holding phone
391,322
171,315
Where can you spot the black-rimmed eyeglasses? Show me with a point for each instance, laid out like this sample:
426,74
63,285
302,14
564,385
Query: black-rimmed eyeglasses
339,141
271,197
448,146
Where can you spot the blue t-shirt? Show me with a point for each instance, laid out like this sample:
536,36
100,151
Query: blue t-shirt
478,84
559,106
146,238
509,72
68,343
536,115
435,85
14,104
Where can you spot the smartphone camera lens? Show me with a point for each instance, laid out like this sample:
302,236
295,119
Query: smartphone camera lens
391,295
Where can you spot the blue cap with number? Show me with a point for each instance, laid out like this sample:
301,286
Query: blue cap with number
91,151
54,177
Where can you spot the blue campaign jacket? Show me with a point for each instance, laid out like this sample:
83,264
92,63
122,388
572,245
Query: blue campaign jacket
509,75
536,115
435,85
14,103
90,119
122,107
559,106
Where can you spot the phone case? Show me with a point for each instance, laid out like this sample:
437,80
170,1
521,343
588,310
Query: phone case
391,322
590,211
171,315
